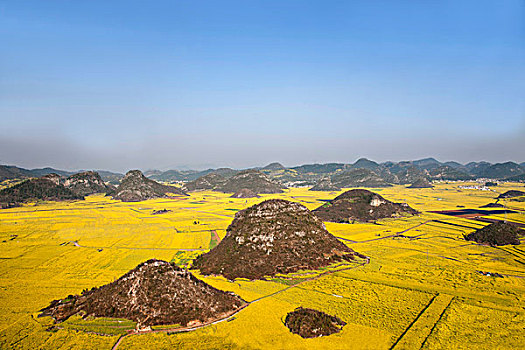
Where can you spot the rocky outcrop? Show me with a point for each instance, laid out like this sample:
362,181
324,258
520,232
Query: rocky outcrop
86,183
55,178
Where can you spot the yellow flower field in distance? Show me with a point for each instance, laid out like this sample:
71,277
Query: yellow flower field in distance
421,289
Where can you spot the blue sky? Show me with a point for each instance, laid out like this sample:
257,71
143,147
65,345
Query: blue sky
154,84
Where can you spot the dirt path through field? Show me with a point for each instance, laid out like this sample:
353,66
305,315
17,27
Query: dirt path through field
207,212
76,244
397,234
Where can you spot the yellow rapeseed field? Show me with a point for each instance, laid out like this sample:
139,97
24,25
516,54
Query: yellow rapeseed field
421,290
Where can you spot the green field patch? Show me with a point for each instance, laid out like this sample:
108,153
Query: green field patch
166,326
214,239
102,325
184,258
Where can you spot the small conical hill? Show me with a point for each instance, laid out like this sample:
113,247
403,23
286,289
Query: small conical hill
496,234
511,194
361,205
275,236
250,179
136,187
156,292
421,183
206,182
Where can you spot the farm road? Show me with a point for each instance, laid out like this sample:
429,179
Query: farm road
76,244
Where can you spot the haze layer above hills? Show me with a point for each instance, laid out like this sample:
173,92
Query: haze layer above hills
340,174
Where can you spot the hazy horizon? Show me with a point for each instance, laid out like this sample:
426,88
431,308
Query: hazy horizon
216,166
163,85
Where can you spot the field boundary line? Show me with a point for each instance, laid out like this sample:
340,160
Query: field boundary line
435,324
415,335
413,322
397,234
118,342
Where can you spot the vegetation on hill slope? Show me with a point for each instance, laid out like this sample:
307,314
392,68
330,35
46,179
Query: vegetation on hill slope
361,205
156,292
136,187
496,234
358,178
250,179
511,194
275,236
310,323
274,167
421,183
502,170
207,182
364,163
35,190
445,172
325,184
8,172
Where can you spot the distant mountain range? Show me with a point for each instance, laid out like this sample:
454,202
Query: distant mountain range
8,172
340,174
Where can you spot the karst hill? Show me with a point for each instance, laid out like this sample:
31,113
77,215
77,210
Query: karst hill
275,236
496,234
35,189
252,180
136,187
421,183
156,292
362,206
207,182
